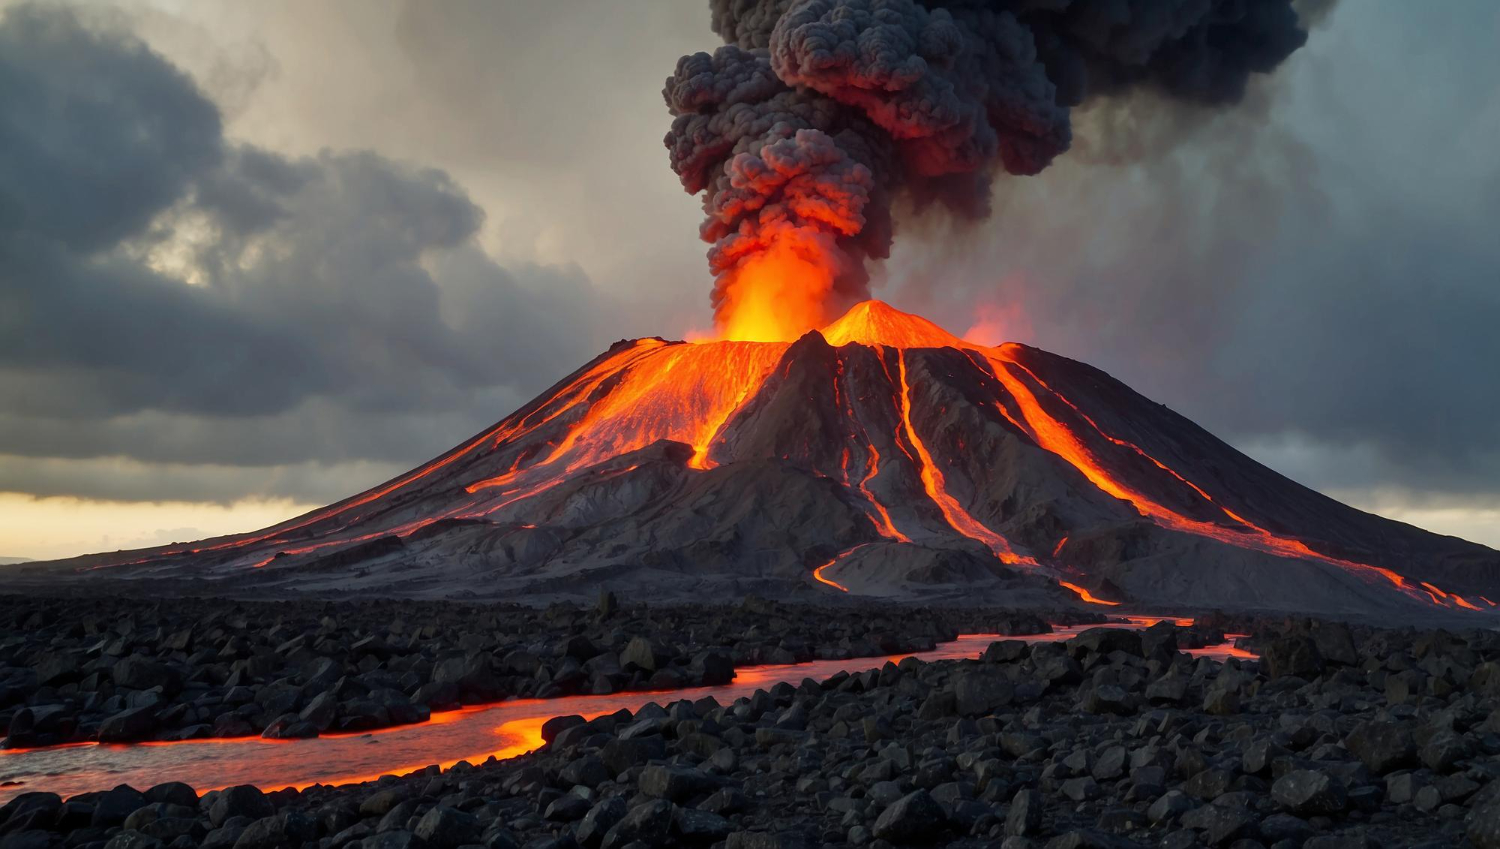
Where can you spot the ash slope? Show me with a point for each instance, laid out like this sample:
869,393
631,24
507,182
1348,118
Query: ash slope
881,456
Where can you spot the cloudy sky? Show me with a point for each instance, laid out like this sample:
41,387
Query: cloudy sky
256,257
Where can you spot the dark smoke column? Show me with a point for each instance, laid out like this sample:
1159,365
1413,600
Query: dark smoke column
819,114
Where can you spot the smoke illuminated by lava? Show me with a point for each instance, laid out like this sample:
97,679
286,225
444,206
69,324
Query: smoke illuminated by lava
818,115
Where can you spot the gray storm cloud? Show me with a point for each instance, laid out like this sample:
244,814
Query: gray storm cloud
924,101
170,295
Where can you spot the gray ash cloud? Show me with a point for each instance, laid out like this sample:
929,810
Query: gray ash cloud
862,103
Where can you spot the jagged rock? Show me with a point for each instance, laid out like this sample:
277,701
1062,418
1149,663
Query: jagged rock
130,725
240,801
140,673
112,807
286,830
1382,746
1025,815
1292,656
446,828
557,724
700,827
649,822
603,816
674,784
978,692
1308,792
912,817
1442,752
1106,640
1484,825
639,653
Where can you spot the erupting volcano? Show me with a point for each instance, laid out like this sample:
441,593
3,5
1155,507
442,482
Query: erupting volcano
879,455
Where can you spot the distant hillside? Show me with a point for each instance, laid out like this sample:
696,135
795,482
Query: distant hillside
7,561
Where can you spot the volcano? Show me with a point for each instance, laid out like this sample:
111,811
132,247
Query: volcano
880,456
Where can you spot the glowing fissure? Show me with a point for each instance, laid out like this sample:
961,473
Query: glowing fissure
883,525
932,480
881,517
822,579
1053,435
1087,596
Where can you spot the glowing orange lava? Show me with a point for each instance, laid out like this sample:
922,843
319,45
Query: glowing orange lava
1148,621
1054,435
818,572
684,393
933,482
1088,596
775,296
649,391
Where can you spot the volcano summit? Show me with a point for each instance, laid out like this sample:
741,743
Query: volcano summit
879,456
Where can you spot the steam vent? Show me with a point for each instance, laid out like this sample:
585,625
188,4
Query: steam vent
881,456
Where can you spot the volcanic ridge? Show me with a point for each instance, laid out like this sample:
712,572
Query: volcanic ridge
880,456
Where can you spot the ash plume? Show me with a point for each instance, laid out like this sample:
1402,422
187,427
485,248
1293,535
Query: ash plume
817,115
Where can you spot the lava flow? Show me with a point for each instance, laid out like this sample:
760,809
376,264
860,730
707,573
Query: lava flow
924,436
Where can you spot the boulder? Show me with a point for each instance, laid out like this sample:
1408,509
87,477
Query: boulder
649,822
1294,656
979,691
446,828
598,821
1307,792
244,800
286,830
1025,815
914,817
675,784
557,724
639,653
129,726
142,673
1382,746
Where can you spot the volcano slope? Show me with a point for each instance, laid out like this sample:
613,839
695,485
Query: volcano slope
881,456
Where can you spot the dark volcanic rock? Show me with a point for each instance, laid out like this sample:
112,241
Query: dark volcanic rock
445,828
1382,746
241,801
1307,792
913,817
1293,656
128,726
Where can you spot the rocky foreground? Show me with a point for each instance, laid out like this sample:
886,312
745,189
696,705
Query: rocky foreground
1335,738
120,670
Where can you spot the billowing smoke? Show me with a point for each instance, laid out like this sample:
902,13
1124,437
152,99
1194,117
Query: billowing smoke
818,115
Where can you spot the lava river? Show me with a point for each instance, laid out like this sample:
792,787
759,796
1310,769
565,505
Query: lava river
502,730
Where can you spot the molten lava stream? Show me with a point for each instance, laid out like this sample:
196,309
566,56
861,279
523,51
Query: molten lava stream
683,392
473,733
1055,436
1088,596
932,480
881,517
822,579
